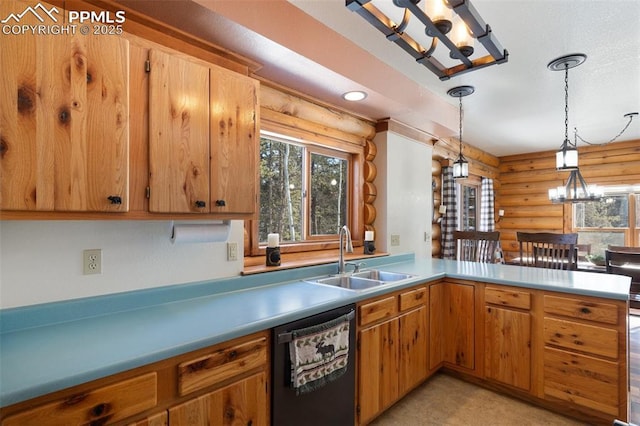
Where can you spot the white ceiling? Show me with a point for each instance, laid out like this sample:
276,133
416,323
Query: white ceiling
320,48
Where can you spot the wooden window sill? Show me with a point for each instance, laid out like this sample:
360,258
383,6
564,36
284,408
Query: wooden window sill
256,264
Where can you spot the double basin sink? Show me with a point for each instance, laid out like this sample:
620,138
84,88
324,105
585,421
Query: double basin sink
364,280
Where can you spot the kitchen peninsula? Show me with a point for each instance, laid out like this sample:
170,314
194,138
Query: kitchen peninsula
481,322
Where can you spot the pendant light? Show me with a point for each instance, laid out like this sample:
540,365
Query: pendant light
567,156
576,190
461,165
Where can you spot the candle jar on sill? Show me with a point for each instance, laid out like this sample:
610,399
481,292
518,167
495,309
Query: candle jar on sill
273,256
369,247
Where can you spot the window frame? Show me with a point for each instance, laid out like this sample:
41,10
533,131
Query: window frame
323,144
471,182
632,231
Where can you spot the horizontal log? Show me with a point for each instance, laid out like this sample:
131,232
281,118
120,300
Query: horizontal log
527,200
314,112
552,210
450,147
308,131
522,188
532,223
633,145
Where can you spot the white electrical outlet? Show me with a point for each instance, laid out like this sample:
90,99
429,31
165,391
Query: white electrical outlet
92,261
395,240
232,251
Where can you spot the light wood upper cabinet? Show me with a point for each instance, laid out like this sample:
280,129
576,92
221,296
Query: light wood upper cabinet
178,135
234,142
202,138
64,121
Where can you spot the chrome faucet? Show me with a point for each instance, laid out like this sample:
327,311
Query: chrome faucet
348,246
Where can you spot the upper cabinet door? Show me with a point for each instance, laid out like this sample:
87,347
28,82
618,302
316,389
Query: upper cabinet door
178,135
64,119
92,169
234,142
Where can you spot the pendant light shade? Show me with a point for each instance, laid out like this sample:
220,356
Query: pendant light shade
567,158
461,168
460,165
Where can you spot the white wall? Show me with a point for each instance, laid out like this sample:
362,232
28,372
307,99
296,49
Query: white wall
405,202
41,261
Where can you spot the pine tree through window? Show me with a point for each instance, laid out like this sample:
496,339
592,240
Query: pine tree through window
304,190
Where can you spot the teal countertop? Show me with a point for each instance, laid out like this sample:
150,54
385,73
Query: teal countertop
44,348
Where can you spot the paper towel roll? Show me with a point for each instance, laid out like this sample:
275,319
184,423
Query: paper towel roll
201,232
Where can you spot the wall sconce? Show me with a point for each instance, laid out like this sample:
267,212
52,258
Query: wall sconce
442,210
500,215
435,19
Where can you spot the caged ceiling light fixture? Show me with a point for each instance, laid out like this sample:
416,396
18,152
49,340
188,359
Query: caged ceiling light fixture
454,23
461,165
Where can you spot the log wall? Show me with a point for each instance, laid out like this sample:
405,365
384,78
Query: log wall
526,179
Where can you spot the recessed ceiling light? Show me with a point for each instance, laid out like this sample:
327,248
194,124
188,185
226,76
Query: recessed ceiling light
356,95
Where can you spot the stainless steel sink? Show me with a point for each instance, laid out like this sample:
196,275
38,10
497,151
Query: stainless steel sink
350,282
375,274
361,280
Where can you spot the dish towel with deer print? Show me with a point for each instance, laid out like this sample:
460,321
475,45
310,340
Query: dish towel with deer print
319,354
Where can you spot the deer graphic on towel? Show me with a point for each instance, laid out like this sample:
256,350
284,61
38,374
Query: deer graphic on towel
319,354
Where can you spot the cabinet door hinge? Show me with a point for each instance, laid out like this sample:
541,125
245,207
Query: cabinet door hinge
148,192
147,66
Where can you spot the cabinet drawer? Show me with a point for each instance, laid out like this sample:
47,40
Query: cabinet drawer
380,309
606,313
413,298
107,404
223,364
581,337
582,380
510,298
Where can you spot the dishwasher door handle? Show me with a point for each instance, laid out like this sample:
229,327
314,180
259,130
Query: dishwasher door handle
288,336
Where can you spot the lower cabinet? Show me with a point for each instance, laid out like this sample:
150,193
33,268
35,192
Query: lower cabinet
243,402
565,352
392,355
507,334
584,362
223,384
100,405
452,325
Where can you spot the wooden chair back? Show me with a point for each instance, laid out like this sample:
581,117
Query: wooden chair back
584,250
623,263
476,246
624,249
548,250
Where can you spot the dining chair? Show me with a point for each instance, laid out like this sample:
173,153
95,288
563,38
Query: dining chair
626,263
477,246
583,250
548,250
624,249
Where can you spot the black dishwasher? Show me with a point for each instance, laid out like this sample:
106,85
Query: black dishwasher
331,404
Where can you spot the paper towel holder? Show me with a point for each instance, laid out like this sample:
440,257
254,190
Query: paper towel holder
212,231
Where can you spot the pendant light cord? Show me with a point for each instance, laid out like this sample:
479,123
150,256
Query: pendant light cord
630,115
460,122
566,107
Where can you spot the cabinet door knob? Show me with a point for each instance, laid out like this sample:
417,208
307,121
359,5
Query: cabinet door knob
201,204
114,199
220,203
